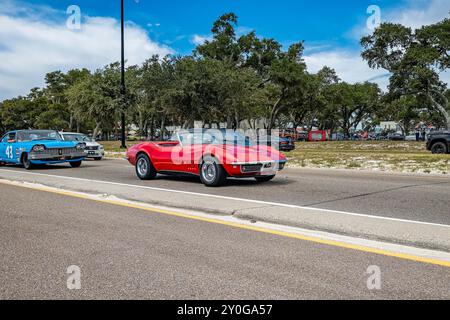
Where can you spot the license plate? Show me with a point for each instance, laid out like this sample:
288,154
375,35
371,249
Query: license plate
251,168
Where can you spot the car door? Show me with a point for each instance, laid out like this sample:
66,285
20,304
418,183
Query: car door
7,147
166,156
193,150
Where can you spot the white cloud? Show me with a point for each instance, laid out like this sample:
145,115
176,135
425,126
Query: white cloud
349,66
199,39
419,13
348,63
32,47
413,14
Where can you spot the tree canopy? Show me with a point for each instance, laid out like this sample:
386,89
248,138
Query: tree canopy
415,60
242,79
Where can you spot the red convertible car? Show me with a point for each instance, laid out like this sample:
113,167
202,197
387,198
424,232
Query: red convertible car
213,155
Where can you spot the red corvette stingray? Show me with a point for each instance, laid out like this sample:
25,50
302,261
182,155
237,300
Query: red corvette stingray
213,155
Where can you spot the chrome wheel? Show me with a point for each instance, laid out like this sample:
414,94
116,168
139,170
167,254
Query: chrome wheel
209,171
142,167
212,174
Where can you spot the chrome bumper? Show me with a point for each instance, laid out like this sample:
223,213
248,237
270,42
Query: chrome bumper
263,167
57,156
94,153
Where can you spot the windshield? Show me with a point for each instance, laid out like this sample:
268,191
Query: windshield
214,137
76,137
34,135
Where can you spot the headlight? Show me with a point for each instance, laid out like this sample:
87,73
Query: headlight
81,146
38,148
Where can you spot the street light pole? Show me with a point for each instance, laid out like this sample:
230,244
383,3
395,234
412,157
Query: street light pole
122,77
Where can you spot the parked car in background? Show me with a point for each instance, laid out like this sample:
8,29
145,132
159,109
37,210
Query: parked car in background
93,149
39,147
337,137
396,137
439,142
302,136
284,144
374,136
289,133
411,137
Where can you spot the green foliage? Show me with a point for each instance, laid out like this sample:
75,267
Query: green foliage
239,79
415,59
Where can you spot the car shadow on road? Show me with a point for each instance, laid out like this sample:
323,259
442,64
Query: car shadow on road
230,182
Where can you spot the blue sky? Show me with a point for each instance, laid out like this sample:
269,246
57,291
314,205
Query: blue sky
34,38
175,22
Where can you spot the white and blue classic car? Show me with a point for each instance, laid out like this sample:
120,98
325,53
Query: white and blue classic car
39,147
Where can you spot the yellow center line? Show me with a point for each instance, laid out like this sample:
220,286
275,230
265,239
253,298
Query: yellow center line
238,225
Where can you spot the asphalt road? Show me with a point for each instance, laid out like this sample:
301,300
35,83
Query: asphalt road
411,197
129,253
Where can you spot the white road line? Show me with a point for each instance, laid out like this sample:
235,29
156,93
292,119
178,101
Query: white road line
277,204
318,237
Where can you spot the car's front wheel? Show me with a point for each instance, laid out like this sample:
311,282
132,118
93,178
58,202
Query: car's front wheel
144,168
212,174
439,148
75,164
26,162
264,178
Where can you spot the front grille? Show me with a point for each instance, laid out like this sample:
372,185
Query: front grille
91,148
57,152
251,168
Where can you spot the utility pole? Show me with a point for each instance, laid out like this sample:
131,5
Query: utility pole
122,77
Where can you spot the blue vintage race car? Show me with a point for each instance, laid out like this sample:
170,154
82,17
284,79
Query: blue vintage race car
36,147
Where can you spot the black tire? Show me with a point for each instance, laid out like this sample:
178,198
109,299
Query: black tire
212,173
144,168
26,162
75,164
98,158
264,178
439,148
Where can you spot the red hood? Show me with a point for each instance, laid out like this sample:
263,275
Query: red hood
254,154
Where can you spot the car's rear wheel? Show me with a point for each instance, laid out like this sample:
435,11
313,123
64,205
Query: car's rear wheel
144,168
439,148
75,164
212,174
26,162
264,178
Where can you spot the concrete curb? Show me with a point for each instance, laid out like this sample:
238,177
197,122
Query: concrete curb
425,236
